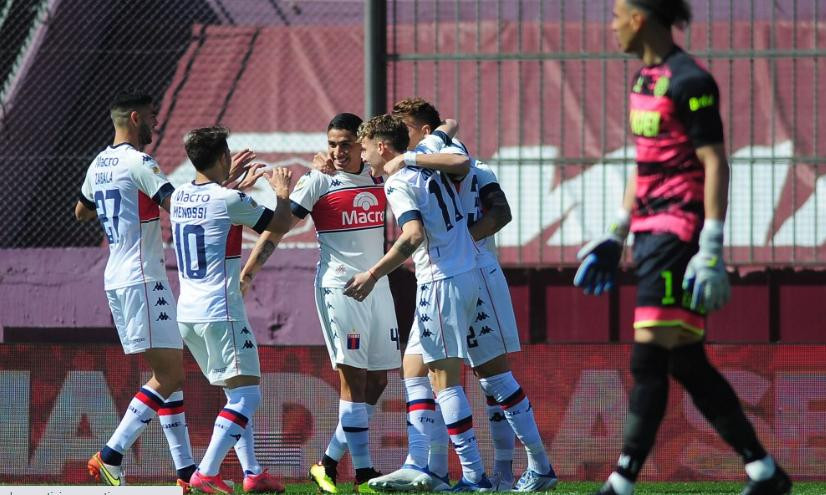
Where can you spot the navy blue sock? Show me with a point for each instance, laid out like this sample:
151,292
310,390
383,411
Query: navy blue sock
111,456
186,473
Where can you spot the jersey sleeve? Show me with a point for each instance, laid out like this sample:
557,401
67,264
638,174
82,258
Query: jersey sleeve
243,210
87,195
306,193
150,180
698,107
402,200
486,178
433,143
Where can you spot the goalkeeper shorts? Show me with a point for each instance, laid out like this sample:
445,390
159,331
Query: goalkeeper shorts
660,260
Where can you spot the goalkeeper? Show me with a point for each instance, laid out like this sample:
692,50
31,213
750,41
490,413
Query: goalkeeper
675,205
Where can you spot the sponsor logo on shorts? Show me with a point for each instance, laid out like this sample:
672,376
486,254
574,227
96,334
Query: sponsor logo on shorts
158,286
424,318
248,345
161,302
425,287
482,316
146,421
327,292
479,302
353,340
162,317
427,333
423,303
236,437
485,329
244,330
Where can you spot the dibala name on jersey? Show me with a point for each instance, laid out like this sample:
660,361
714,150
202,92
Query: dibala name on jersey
103,177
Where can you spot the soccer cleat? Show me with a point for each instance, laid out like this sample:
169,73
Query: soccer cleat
483,485
263,483
440,484
209,484
500,483
362,483
326,483
605,489
408,478
185,486
778,484
105,473
531,481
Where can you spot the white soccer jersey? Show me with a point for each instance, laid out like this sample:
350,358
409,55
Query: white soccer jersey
473,186
420,194
125,187
348,213
207,220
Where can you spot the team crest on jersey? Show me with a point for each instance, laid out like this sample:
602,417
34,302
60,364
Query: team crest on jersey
365,200
301,182
353,340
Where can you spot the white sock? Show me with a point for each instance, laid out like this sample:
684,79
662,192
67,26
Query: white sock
504,439
421,412
229,426
761,469
457,416
439,441
354,422
338,444
142,408
518,411
173,423
620,484
245,448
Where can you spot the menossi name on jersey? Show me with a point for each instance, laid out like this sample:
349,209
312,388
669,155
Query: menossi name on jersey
190,211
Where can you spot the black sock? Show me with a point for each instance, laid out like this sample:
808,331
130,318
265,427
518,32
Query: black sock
649,396
364,474
716,400
111,456
186,473
330,466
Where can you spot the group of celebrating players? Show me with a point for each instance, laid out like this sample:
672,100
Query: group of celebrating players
447,205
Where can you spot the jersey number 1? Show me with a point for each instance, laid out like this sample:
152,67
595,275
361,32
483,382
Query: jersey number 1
434,188
182,247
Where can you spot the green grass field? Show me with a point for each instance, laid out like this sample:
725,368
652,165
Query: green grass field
586,488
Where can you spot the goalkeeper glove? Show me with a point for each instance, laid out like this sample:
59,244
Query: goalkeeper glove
600,258
705,277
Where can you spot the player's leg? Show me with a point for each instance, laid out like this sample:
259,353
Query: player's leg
455,301
718,403
494,335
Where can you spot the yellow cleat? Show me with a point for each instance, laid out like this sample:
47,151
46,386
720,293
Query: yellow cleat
326,483
105,473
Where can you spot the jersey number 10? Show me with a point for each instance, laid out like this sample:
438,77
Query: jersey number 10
183,246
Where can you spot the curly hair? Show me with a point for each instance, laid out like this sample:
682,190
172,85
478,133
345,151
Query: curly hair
386,128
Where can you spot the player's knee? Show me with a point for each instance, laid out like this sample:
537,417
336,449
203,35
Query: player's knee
649,366
376,383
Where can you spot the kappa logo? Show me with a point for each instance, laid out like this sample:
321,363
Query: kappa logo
161,302
424,303
330,306
162,317
244,330
482,316
365,200
389,189
327,292
248,345
485,329
427,333
497,417
158,286
479,302
146,421
425,287
236,437
424,318
335,182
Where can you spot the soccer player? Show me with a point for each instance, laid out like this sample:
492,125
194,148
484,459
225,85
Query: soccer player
123,189
207,221
675,205
434,232
491,337
347,206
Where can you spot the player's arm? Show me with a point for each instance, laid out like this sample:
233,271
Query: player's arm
83,213
411,237
152,182
497,212
85,209
261,252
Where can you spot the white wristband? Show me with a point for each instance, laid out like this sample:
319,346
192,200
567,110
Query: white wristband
410,158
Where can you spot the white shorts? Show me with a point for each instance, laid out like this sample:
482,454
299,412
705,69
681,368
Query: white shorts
145,316
493,331
445,310
363,334
222,349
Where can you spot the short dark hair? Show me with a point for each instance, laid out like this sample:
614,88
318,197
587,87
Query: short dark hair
129,100
668,12
419,110
386,128
345,122
205,145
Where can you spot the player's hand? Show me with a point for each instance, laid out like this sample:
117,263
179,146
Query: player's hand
253,173
360,286
246,283
600,258
239,164
324,164
705,277
279,180
394,165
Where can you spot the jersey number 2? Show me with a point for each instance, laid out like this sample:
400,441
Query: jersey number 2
182,247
